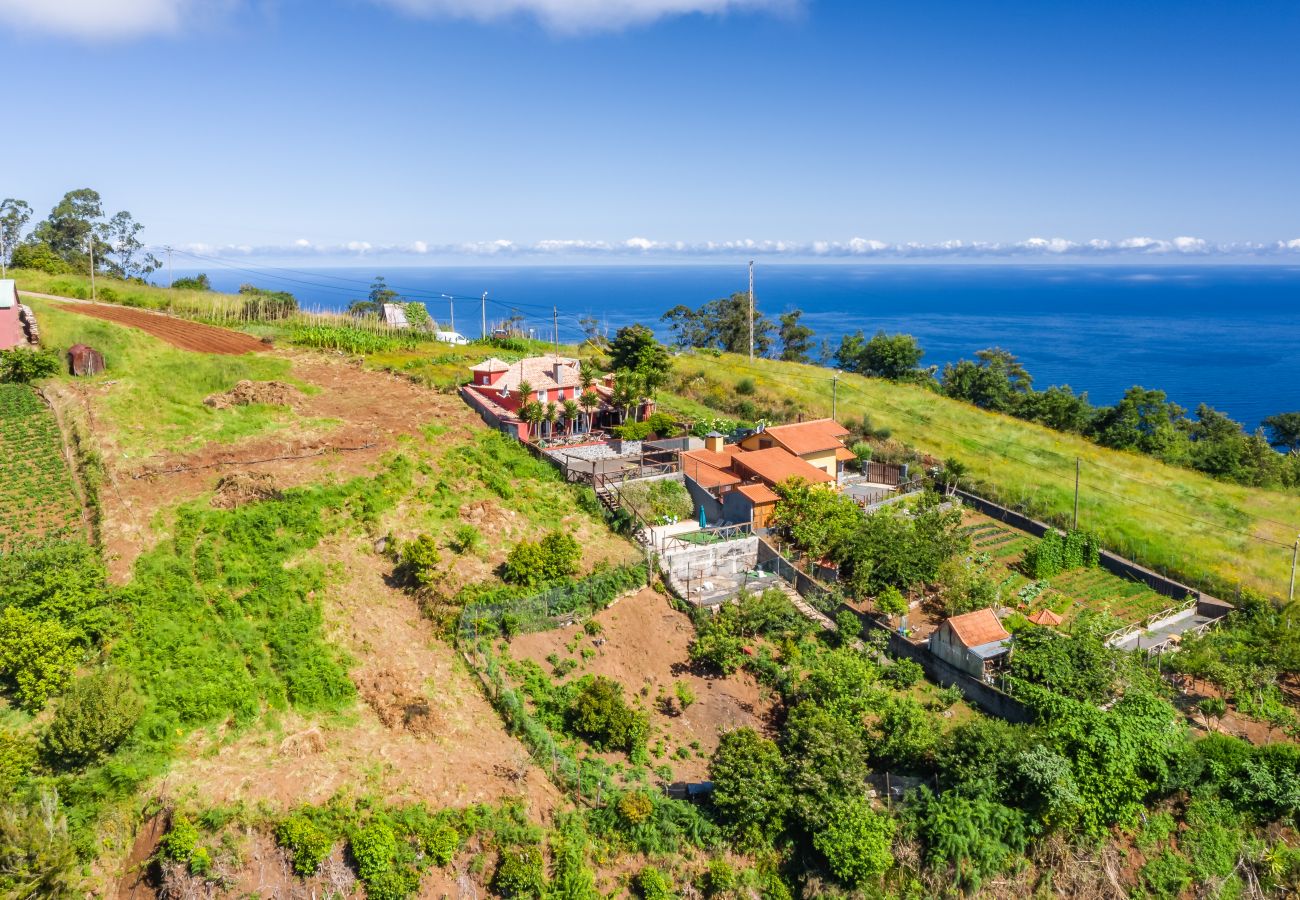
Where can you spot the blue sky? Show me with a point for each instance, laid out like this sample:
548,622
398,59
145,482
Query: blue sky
589,129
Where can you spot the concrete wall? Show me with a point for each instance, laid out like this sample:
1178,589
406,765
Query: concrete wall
722,560
702,499
1111,562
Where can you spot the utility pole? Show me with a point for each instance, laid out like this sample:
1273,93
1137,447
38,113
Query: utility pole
90,242
751,310
1295,555
555,326
451,310
169,266
4,259
835,395
1076,493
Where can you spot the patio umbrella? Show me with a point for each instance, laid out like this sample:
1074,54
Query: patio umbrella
703,522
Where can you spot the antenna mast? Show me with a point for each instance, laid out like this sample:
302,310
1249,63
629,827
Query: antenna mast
751,310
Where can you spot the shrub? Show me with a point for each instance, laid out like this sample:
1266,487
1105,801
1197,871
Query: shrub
180,841
17,756
519,872
654,885
856,841
442,845
977,836
599,714
466,538
848,626
93,718
685,694
1167,876
635,807
745,387
37,655
891,602
21,365
420,559
555,556
904,673
752,793
40,256
307,844
373,848
719,878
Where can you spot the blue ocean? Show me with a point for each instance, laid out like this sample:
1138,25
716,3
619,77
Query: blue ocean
1228,336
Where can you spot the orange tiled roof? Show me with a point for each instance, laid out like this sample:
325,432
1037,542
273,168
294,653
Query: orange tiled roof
1046,617
758,494
844,454
803,438
774,465
704,474
979,627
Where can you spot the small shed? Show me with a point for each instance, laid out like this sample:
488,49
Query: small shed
976,643
395,315
84,360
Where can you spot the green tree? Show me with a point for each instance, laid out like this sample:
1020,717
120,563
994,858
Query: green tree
417,314
976,836
1144,420
39,257
996,380
721,324
891,602
892,356
93,718
796,338
37,856
750,790
856,841
37,656
819,520
71,225
1284,431
14,216
1057,407
599,714
827,757
199,282
636,350
124,253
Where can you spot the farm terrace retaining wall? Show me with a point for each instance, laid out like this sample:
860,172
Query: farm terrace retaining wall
723,560
1111,562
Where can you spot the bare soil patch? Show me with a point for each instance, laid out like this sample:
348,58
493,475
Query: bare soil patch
375,410
246,393
178,332
642,645
241,488
422,730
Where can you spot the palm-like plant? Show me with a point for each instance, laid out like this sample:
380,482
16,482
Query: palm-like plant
571,414
525,394
589,401
551,415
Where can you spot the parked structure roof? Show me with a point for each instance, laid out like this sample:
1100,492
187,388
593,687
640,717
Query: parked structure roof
758,494
1046,618
975,629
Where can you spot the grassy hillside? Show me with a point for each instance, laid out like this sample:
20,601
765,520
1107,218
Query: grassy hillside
1218,534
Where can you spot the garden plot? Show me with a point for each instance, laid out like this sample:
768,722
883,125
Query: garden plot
38,499
1000,549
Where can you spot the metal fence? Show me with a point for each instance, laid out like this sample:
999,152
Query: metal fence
551,607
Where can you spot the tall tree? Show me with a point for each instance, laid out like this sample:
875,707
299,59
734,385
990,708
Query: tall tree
14,216
893,356
71,224
124,255
996,380
636,350
721,324
796,338
1284,431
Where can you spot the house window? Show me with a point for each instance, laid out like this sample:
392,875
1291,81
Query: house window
541,396
764,443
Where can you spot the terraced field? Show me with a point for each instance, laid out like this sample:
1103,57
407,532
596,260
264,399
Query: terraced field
38,499
999,548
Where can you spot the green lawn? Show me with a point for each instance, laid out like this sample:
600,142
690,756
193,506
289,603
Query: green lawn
153,392
1207,531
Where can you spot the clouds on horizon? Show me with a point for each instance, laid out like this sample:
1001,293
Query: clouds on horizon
863,249
110,20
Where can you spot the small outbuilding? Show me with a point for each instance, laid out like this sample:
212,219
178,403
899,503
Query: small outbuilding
85,360
1046,618
976,643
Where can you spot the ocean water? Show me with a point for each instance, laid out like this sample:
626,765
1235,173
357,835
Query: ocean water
1228,336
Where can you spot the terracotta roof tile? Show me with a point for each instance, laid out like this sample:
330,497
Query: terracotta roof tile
705,475
1046,617
979,627
803,438
775,465
758,494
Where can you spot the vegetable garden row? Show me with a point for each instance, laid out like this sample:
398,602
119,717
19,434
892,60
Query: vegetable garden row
38,500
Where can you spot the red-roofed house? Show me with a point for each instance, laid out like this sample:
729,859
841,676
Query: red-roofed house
494,391
737,484
818,442
974,642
